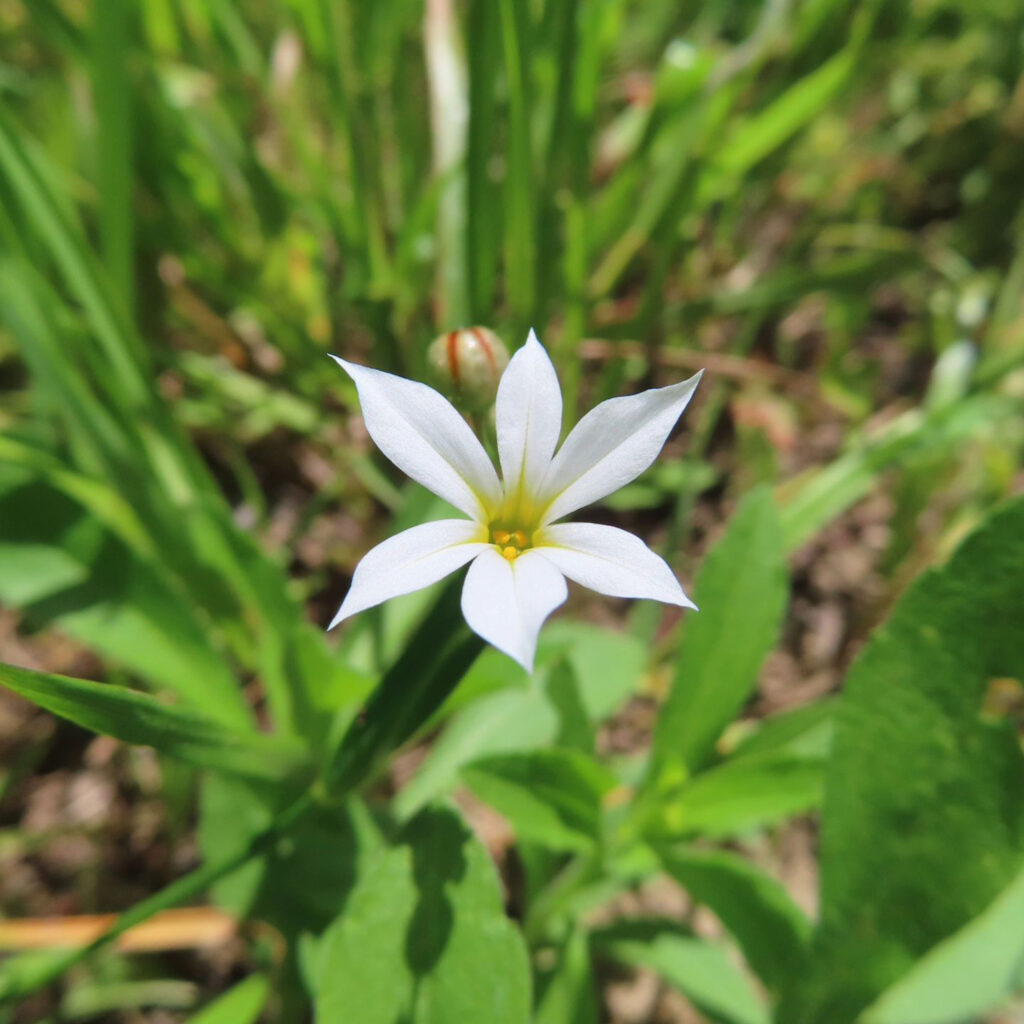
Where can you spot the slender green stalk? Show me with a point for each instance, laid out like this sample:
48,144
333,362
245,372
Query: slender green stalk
112,94
482,194
433,662
520,249
341,52
26,974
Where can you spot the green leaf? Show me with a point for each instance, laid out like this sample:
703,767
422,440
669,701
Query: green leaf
770,929
608,665
760,135
583,674
805,731
569,995
90,999
520,215
60,558
552,797
424,938
301,883
23,172
243,1004
112,95
967,974
741,590
701,970
811,500
435,658
27,973
923,823
511,720
741,795
138,718
35,571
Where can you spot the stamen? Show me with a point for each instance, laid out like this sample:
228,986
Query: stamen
510,543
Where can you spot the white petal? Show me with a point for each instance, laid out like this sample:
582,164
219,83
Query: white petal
507,602
420,431
529,416
411,560
610,561
613,444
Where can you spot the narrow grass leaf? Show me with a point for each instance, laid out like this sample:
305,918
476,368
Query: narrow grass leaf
112,93
138,718
520,251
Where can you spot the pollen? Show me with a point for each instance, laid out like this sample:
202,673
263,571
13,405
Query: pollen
502,536
510,553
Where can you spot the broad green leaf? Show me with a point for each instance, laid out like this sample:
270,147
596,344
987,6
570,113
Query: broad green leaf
741,590
243,1004
138,718
770,929
741,795
967,974
552,797
423,938
923,823
303,881
701,970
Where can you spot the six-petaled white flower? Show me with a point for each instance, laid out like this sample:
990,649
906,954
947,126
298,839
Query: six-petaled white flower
520,554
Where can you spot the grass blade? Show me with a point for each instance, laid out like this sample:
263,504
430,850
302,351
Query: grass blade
112,94
140,719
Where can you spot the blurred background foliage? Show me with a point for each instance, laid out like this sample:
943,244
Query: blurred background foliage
819,200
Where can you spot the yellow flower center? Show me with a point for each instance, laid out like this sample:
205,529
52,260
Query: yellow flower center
511,543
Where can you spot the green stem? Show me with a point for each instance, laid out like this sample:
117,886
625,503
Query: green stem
430,667
26,974
573,878
434,661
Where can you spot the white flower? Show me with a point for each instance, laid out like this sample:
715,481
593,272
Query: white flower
520,555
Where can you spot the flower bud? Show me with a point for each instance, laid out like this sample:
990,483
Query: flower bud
467,364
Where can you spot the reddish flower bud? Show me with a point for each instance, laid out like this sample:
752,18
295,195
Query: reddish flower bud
467,364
